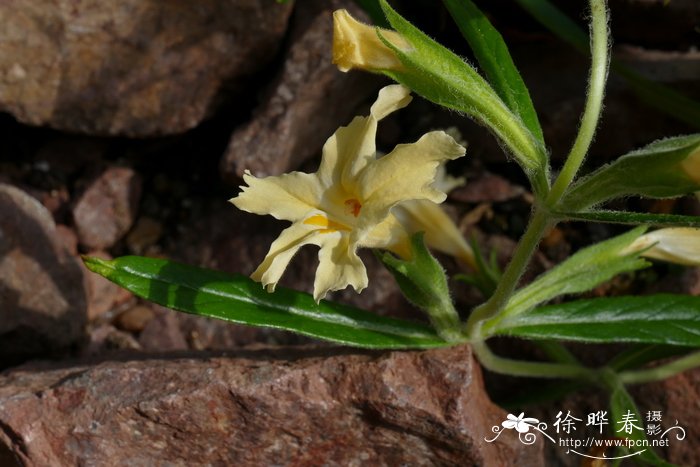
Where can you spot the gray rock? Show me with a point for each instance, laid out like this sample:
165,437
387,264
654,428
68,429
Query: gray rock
42,288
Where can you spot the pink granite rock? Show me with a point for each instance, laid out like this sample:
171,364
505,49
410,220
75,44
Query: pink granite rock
290,406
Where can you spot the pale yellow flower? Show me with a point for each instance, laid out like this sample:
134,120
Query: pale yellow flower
346,204
441,233
679,245
357,45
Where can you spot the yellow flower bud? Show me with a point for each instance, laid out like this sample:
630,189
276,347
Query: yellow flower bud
680,245
357,45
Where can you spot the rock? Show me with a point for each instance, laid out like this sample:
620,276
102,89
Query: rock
134,319
145,234
309,100
289,406
677,400
162,332
68,238
42,291
487,188
131,67
107,208
105,339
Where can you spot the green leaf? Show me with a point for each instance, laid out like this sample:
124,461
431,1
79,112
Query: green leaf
654,94
633,218
442,77
238,299
495,61
622,404
581,272
655,319
666,168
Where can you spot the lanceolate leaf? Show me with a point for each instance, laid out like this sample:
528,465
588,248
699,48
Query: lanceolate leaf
654,94
622,407
663,169
495,60
654,319
581,272
238,299
633,218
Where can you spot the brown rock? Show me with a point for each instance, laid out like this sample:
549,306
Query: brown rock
135,318
68,238
107,208
308,101
291,406
677,400
42,293
162,332
130,67
487,188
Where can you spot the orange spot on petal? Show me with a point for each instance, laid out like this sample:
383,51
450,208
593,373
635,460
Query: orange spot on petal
353,206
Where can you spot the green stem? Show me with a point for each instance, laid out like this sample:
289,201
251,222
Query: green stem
594,100
661,372
509,280
508,366
445,320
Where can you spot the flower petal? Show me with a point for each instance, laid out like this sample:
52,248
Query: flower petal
351,148
288,197
281,252
339,265
406,173
389,234
446,182
440,232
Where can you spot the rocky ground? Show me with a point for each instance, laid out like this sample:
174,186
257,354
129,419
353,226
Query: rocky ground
127,126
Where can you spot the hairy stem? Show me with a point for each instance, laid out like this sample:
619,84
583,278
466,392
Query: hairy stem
511,276
661,372
594,100
508,366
